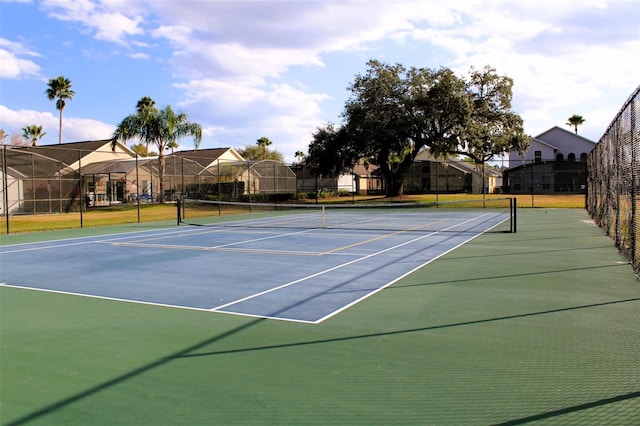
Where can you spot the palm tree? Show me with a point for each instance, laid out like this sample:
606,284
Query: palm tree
33,132
60,89
178,126
300,156
161,127
173,146
575,120
263,143
520,144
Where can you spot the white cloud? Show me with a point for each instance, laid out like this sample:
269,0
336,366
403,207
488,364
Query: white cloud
17,119
233,51
81,129
17,48
13,66
559,66
282,112
238,65
73,129
97,18
179,35
138,55
115,26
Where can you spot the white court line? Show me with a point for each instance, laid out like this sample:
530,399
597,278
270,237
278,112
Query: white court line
89,239
219,308
221,248
366,296
100,239
139,302
45,247
218,247
326,271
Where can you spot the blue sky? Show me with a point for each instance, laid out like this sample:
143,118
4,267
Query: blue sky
250,68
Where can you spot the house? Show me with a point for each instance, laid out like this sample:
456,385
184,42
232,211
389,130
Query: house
200,172
431,175
555,162
66,177
366,180
362,179
223,172
426,175
208,157
44,179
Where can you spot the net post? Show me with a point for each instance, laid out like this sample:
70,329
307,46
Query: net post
179,210
514,214
323,217
511,214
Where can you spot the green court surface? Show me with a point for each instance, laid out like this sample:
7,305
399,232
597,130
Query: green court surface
538,327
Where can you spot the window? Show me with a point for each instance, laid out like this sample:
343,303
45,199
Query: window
583,157
517,183
538,156
571,157
560,157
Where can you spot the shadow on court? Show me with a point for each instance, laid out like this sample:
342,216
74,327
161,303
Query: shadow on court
188,353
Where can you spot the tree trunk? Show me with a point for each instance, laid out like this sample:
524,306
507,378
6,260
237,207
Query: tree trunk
395,178
393,182
60,129
394,185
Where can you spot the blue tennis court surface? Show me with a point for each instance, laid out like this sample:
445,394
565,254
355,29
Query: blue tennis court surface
294,274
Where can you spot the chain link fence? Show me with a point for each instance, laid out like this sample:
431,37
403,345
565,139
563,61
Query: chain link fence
614,180
64,179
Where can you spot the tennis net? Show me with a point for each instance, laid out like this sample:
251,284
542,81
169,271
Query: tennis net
491,214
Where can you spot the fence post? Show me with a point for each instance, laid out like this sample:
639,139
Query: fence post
5,186
80,189
137,188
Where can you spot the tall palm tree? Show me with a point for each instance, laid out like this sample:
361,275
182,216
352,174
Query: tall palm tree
161,127
299,155
263,143
575,120
60,89
33,132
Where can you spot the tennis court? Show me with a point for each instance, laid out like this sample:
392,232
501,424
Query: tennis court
538,327
305,267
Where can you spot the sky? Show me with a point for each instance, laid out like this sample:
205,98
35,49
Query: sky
245,69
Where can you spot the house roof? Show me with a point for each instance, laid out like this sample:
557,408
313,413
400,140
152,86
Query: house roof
205,156
361,170
119,166
68,153
557,128
555,148
467,167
